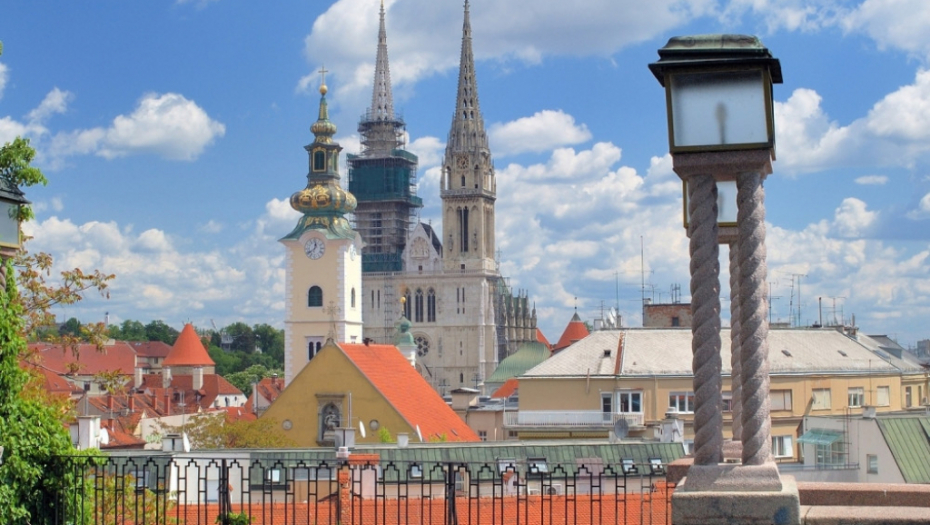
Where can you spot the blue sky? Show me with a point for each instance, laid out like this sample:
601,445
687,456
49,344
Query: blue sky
172,134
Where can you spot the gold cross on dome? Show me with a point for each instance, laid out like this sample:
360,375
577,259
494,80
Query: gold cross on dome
323,71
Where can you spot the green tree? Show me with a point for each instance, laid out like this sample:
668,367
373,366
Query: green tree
31,429
128,330
226,362
243,380
70,327
243,339
214,430
271,341
159,331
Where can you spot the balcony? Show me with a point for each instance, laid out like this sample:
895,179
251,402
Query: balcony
592,419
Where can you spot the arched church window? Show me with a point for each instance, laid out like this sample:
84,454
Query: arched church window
461,378
431,306
422,345
352,298
407,304
319,160
418,306
315,296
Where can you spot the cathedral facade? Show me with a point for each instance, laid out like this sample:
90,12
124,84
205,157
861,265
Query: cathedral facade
465,319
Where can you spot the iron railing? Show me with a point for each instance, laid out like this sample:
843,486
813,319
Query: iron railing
191,489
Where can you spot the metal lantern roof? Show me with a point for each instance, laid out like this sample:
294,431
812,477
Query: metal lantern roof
716,50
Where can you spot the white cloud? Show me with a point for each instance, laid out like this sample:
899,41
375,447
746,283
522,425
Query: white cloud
56,101
168,125
211,227
543,131
853,218
899,24
923,209
872,180
344,38
895,132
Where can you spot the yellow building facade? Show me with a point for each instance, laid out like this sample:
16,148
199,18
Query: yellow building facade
640,375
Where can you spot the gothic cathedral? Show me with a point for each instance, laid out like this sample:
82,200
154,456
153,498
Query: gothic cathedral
465,319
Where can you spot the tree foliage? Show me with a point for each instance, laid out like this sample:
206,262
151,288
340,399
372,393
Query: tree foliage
243,380
17,171
215,430
31,429
159,331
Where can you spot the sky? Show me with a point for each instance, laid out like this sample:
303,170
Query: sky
172,135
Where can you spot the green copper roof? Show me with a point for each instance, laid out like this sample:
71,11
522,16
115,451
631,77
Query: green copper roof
527,356
908,439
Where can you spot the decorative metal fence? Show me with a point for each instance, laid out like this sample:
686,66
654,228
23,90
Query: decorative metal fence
199,490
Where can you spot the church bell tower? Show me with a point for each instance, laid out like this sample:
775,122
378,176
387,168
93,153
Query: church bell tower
323,261
468,187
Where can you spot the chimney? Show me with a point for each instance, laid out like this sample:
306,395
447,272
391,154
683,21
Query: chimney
137,378
274,380
198,377
111,404
167,402
166,377
88,432
132,403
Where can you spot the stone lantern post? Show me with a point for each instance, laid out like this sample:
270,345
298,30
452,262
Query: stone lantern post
721,134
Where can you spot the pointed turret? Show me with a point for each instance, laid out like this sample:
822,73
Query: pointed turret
383,176
468,186
382,102
467,133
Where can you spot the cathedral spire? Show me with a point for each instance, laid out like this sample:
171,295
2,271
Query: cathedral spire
382,102
467,131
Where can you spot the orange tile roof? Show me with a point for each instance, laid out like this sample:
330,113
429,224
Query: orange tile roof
574,332
407,391
51,382
188,350
506,390
118,356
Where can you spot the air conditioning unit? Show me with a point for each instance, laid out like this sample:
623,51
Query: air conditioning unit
555,489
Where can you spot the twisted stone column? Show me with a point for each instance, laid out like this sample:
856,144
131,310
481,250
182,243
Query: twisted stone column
756,431
736,385
705,327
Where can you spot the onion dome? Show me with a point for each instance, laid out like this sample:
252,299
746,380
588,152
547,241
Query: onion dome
323,202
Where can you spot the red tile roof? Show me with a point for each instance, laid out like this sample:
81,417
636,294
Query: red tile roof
51,382
188,350
574,332
151,348
269,388
88,360
214,386
407,391
506,390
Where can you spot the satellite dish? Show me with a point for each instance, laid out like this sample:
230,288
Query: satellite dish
621,428
361,428
419,434
104,437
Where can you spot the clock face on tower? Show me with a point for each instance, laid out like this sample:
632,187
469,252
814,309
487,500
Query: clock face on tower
314,248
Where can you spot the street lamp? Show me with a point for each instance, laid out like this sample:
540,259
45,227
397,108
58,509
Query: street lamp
11,198
718,93
721,132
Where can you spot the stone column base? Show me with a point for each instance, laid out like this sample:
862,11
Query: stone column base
719,500
732,451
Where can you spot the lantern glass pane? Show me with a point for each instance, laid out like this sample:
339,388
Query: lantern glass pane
9,226
718,108
726,203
